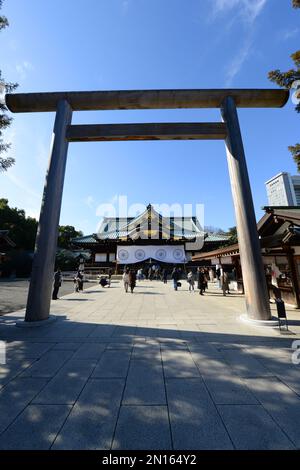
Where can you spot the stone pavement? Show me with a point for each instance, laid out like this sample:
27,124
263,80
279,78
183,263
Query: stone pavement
14,292
156,369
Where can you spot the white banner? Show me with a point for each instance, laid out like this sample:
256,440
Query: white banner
164,253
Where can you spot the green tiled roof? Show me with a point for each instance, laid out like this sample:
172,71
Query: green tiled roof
182,228
85,239
216,237
115,235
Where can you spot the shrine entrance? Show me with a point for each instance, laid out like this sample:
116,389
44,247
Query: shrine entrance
227,100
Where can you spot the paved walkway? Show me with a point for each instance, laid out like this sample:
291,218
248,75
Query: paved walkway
13,293
154,370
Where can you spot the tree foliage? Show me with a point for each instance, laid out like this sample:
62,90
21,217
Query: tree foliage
295,151
5,120
22,229
66,233
213,229
286,80
67,260
232,232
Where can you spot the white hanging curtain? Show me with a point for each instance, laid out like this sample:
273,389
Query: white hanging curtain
164,253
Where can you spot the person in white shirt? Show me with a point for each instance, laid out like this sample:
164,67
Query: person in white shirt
126,279
191,281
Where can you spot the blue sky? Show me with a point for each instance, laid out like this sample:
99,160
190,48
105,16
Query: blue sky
140,44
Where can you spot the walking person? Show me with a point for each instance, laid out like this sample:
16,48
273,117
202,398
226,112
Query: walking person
110,273
78,281
218,274
165,276
132,280
126,279
206,279
140,275
75,280
191,281
175,277
56,284
225,283
201,281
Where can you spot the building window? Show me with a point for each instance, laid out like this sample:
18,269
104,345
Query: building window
297,194
100,257
112,257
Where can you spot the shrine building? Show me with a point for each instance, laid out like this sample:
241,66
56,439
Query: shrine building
147,238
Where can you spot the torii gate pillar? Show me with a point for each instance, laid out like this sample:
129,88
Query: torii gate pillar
39,295
255,286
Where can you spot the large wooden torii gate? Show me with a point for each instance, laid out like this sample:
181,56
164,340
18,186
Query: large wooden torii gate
63,103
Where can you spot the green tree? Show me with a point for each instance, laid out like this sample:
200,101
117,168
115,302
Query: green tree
65,235
286,80
5,120
67,260
232,232
22,229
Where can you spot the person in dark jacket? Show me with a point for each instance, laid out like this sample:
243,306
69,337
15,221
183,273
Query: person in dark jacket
175,276
165,276
56,284
201,281
206,278
103,281
132,280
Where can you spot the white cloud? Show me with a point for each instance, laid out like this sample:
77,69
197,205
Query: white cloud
125,5
21,184
290,33
22,69
32,212
89,201
237,63
249,10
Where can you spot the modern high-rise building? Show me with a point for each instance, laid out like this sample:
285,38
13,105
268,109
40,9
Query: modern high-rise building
283,190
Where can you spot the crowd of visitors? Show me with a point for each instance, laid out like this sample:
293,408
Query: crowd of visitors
199,278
